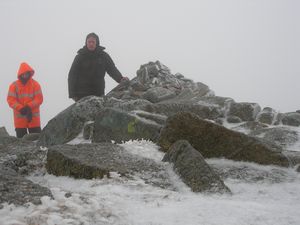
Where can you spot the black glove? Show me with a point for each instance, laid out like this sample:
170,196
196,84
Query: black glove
29,115
25,110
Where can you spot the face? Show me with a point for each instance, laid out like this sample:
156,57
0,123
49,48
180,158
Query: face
26,75
91,43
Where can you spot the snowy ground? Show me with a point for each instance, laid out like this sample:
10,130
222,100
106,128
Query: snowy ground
120,201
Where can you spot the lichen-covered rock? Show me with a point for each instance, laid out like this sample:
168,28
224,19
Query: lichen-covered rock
171,108
244,110
99,160
17,159
291,119
213,140
3,132
15,189
282,136
267,115
69,123
193,170
22,156
250,126
120,126
158,94
233,119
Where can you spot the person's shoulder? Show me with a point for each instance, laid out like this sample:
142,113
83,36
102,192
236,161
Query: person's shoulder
14,83
35,82
103,53
82,51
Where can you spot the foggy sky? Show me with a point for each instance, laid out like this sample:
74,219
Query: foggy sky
248,50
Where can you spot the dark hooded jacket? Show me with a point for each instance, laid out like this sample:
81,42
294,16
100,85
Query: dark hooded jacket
86,76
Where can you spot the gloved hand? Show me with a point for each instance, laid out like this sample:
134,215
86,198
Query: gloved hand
124,79
25,110
29,115
75,99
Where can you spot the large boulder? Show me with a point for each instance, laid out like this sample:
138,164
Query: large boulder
291,119
69,123
267,115
22,156
120,126
249,126
244,110
158,94
100,160
283,136
251,173
193,170
5,138
18,159
3,132
204,111
15,189
155,83
213,140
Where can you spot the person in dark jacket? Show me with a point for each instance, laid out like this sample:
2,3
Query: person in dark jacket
86,76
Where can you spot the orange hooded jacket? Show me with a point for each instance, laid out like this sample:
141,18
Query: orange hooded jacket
20,95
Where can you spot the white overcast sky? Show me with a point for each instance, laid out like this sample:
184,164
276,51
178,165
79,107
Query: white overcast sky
248,50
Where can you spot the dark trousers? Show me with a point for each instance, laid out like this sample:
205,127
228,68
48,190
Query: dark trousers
22,131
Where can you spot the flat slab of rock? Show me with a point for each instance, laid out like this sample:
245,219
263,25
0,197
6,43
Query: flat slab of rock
15,189
215,141
99,160
193,170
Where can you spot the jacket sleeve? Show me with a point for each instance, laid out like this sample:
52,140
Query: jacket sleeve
38,96
72,77
12,99
112,69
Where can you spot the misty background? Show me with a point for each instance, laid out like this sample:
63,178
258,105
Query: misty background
248,50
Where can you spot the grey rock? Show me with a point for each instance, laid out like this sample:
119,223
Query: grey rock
193,170
250,126
69,123
282,136
291,119
244,110
23,156
99,160
120,126
17,159
223,102
267,115
15,189
3,132
158,94
88,130
31,137
213,140
233,119
294,157
131,105
171,108
159,119
249,172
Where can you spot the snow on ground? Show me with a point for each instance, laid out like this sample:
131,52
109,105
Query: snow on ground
132,202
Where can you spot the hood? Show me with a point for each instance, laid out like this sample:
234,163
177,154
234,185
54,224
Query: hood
85,50
24,67
94,36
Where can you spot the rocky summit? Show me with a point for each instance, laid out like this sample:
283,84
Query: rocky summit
185,119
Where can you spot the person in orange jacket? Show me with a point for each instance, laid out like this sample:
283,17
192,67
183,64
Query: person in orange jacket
25,97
